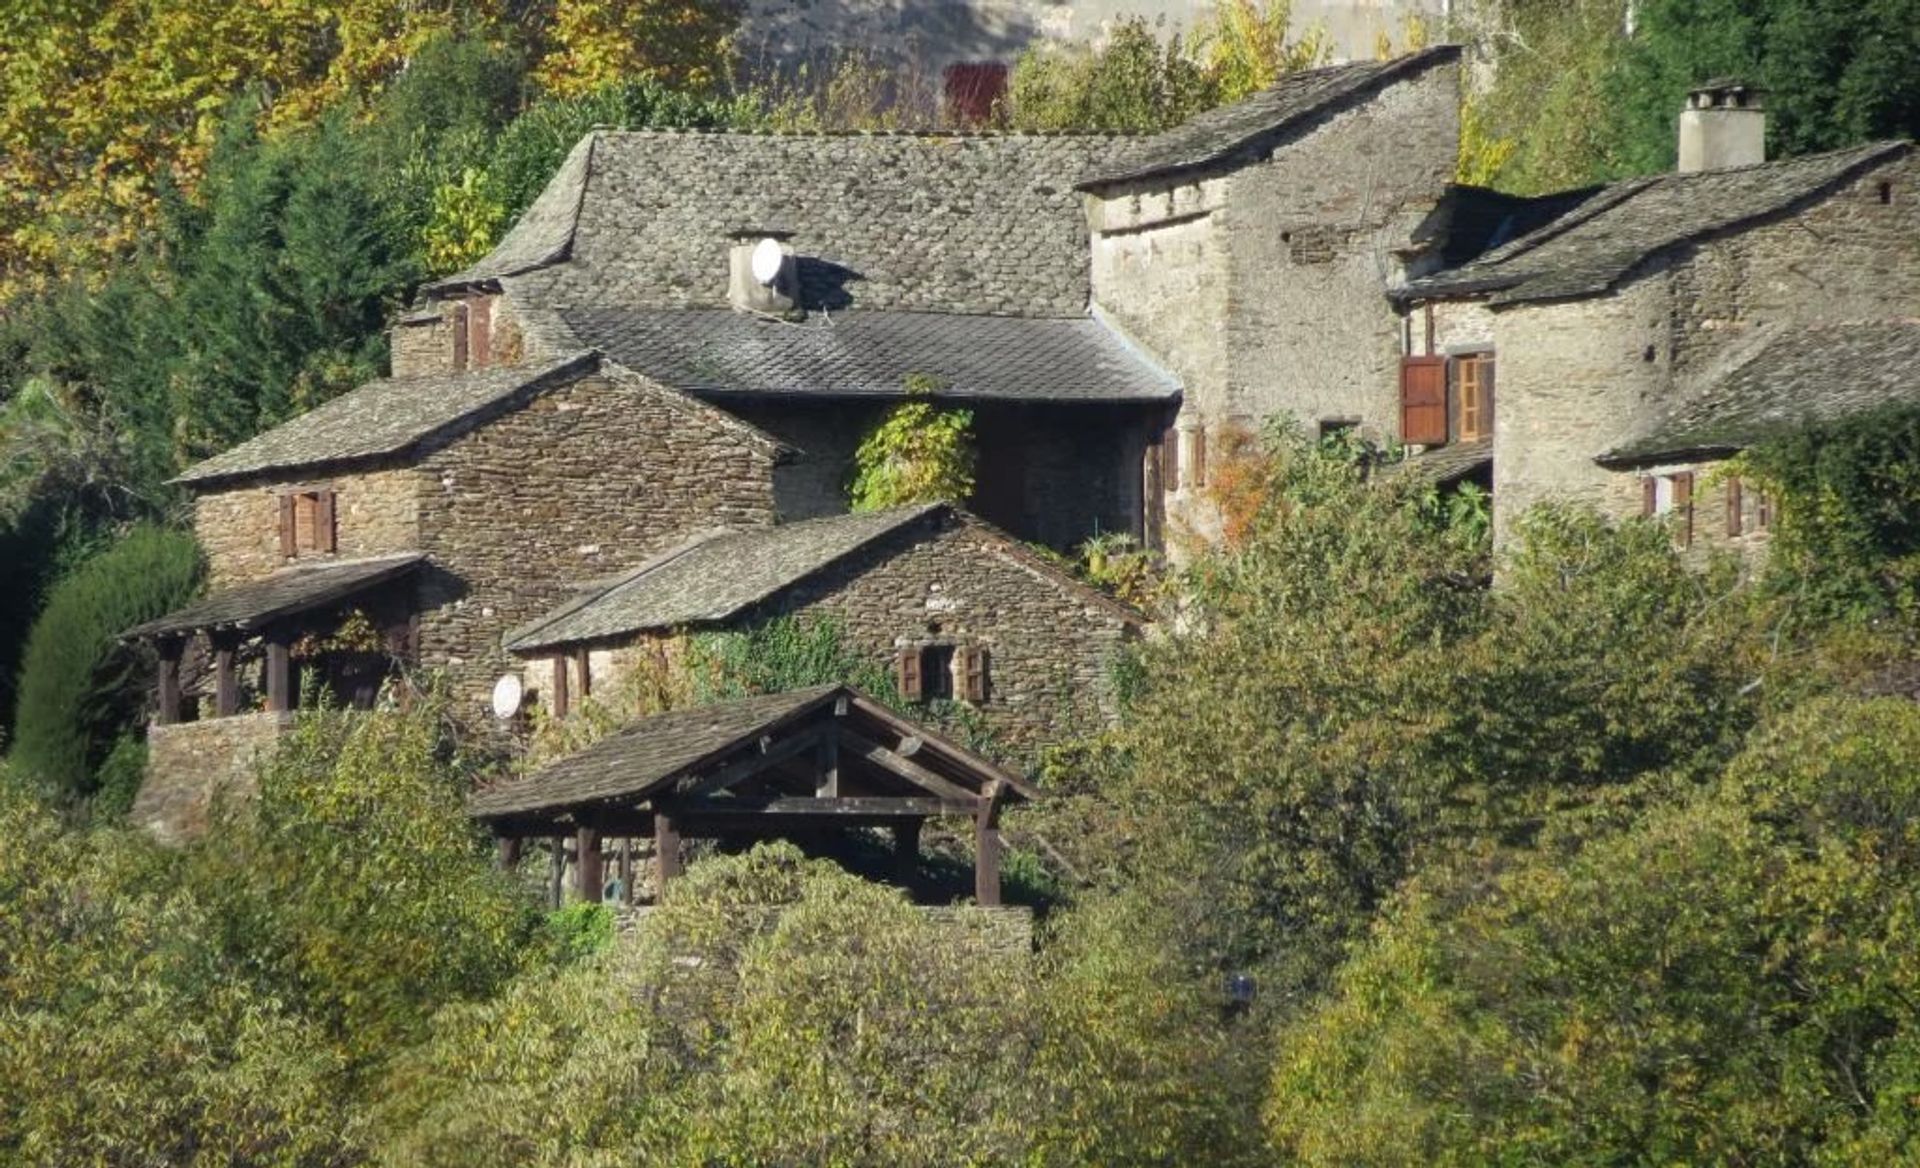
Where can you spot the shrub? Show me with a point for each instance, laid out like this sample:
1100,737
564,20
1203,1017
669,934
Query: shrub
81,688
919,453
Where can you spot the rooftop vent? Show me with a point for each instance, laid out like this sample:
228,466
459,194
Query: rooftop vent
762,275
1724,125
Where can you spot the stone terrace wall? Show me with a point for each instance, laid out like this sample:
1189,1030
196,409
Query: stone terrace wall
189,763
950,223
1050,645
375,513
585,481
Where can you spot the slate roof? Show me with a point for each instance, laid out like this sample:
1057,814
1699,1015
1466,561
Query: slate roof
712,578
383,418
1800,375
1591,248
1296,99
638,759
285,593
661,750
1444,464
719,352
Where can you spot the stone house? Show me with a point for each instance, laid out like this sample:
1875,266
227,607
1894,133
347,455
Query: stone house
956,610
1631,302
415,520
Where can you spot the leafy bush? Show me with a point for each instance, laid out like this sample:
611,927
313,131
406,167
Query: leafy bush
81,688
918,453
785,653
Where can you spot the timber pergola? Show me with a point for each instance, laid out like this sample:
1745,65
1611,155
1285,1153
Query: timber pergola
781,765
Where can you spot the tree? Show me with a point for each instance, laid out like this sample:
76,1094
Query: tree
81,687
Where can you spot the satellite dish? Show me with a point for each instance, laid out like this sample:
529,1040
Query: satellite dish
508,694
768,258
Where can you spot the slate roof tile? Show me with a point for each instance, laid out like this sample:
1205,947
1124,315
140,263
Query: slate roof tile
1592,247
719,352
286,592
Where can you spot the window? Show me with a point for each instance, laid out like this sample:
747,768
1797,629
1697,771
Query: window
942,672
1670,494
1473,389
307,522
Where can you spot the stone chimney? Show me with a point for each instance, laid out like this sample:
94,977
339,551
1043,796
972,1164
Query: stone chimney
1723,126
773,286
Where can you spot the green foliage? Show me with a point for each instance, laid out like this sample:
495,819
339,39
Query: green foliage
81,688
1846,543
355,884
580,930
782,654
918,453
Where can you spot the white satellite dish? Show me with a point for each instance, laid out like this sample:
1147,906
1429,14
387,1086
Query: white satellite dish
508,694
768,258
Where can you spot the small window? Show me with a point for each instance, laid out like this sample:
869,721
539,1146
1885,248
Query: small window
307,523
1886,193
936,673
1670,495
943,672
1473,390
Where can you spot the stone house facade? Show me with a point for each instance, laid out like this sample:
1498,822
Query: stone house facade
1638,300
954,609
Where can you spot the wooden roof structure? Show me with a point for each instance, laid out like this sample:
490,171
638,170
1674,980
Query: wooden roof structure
796,763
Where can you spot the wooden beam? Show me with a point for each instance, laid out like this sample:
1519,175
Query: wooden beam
226,685
556,869
906,768
802,805
829,785
771,754
168,711
986,855
586,865
507,853
906,853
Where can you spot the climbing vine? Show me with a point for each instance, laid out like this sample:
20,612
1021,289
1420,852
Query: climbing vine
919,453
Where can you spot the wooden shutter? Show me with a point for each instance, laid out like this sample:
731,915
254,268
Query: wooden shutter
325,537
288,547
1197,457
1170,459
1474,379
480,332
584,663
1649,495
1762,511
1683,504
974,660
907,673
1733,507
561,702
457,316
1423,400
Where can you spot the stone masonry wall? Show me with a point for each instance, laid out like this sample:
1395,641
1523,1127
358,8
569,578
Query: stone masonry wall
1050,645
949,223
190,763
586,480
1312,235
375,513
422,344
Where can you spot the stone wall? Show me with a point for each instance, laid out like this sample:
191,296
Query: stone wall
376,513
948,223
190,763
1051,644
587,480
422,342
1711,529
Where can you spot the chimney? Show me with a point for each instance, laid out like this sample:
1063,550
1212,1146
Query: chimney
1724,125
762,275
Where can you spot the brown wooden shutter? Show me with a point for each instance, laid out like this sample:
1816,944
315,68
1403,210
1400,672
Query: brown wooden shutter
1733,507
975,663
1170,459
1649,496
325,537
561,702
584,663
480,332
457,316
288,546
1683,504
907,673
1423,400
1474,381
1197,464
1762,510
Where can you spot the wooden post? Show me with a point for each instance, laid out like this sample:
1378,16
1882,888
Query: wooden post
906,853
626,869
986,848
226,686
585,666
586,865
169,697
556,870
829,785
666,848
279,674
560,702
507,852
